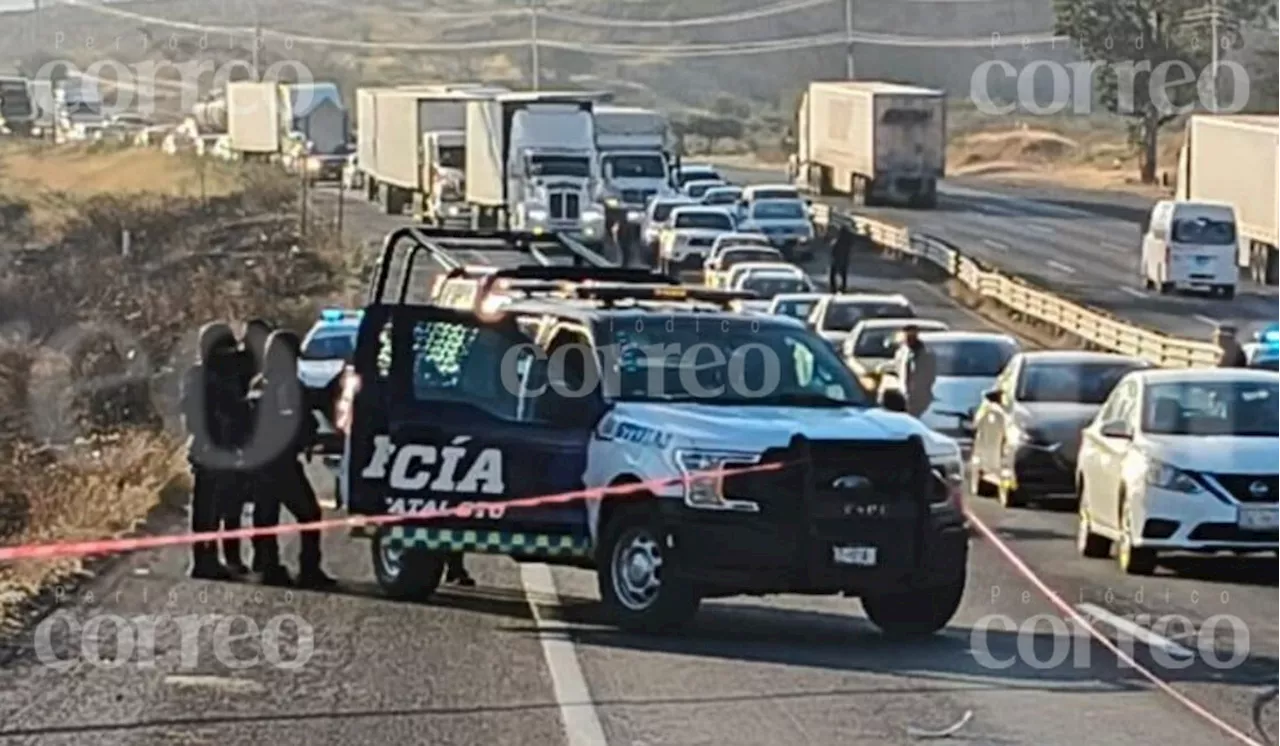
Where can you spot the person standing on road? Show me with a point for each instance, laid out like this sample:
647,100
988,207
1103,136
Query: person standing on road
917,370
1224,336
209,404
838,276
288,428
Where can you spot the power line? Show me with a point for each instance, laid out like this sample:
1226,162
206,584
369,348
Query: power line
678,50
582,19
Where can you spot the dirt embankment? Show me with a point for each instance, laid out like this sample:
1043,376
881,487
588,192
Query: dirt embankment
94,334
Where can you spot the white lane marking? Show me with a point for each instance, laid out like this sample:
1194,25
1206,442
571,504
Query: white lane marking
1038,228
1061,267
998,245
1117,247
581,722
480,258
1205,319
1136,631
1136,293
1080,619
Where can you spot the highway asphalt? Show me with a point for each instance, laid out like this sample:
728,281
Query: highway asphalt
524,658
1082,245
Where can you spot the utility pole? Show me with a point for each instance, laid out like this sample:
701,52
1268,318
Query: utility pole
257,41
1213,59
848,39
533,37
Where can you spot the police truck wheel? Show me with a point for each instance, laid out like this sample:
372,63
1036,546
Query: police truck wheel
915,613
405,574
636,585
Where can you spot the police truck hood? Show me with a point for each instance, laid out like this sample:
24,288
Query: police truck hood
317,374
757,428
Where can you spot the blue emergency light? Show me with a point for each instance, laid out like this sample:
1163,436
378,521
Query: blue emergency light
1271,336
338,314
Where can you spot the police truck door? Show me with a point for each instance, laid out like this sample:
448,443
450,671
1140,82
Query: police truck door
457,439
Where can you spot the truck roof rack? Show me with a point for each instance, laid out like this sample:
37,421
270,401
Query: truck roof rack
567,274
439,244
611,293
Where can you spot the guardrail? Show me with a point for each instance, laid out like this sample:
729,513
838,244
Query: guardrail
1093,326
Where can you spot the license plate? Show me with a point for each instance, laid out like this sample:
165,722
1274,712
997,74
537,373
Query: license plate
1259,519
857,556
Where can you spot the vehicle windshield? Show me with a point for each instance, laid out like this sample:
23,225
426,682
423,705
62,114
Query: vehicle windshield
774,193
1083,383
1204,231
779,210
559,165
733,258
330,346
725,361
1240,408
767,286
720,196
796,309
695,174
877,342
697,190
454,157
662,210
636,166
843,316
716,221
971,358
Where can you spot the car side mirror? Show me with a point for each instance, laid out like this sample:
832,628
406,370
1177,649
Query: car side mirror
994,396
893,400
1116,429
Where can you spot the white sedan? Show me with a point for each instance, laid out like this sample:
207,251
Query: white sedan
1181,461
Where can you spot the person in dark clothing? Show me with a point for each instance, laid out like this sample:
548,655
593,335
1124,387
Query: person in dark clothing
1233,356
917,370
456,572
252,350
838,277
210,409
285,430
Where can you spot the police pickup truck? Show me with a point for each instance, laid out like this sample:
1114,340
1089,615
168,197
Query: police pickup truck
643,431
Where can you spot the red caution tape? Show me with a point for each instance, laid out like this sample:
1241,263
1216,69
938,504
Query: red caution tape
122,546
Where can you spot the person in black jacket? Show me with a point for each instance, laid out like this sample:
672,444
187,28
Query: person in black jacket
210,404
1233,356
285,429
838,277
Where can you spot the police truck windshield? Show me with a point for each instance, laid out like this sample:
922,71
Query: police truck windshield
559,165
636,166
723,361
331,346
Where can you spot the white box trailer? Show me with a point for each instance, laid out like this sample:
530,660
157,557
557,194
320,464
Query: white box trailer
254,119
1233,159
881,143
404,134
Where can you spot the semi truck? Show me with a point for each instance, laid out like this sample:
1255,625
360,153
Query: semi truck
879,143
303,126
18,112
532,163
634,165
411,148
1232,159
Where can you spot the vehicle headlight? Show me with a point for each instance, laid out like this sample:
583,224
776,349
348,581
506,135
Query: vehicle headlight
635,216
706,491
537,214
592,215
451,210
1166,477
612,201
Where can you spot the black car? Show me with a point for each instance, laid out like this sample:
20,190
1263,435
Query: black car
1027,429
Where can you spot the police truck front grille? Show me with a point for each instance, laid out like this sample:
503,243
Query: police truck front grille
637,196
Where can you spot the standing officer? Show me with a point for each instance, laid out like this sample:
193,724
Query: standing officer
287,426
209,403
1224,336
917,370
838,277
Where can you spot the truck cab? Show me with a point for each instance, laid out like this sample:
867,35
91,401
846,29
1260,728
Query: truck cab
445,163
634,163
532,164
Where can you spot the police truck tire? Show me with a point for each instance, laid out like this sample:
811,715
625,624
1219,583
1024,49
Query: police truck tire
637,594
413,575
914,613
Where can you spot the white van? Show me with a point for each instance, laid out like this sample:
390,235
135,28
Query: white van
1191,246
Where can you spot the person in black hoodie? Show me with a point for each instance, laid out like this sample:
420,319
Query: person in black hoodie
211,403
838,275
285,430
